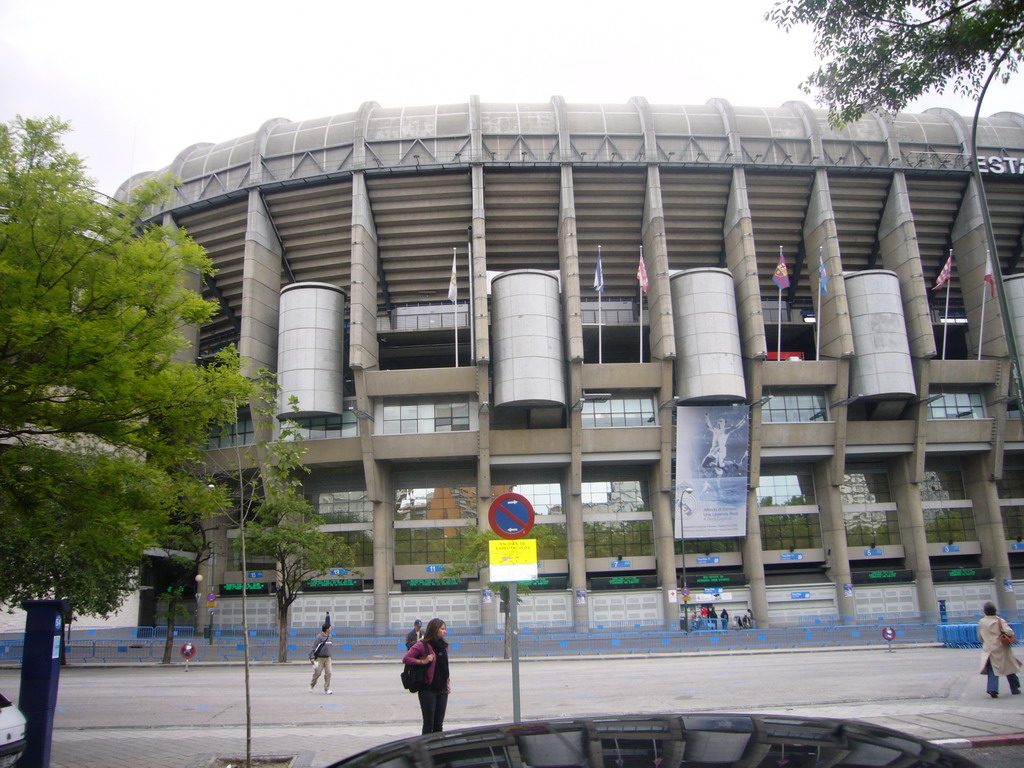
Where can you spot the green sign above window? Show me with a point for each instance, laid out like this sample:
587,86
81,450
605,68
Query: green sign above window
333,585
251,588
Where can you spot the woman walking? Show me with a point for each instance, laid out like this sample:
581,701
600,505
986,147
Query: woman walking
997,659
432,651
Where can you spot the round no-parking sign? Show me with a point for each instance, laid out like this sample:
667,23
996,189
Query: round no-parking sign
511,516
888,634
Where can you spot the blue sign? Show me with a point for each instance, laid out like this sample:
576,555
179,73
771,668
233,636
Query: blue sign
713,590
799,595
255,574
708,560
621,563
338,571
872,553
1017,545
950,547
792,556
435,568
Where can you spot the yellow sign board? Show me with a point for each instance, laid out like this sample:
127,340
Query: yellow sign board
513,559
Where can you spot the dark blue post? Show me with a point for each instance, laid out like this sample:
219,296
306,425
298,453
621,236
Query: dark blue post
943,617
40,672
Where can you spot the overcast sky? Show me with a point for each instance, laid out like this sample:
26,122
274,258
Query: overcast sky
140,81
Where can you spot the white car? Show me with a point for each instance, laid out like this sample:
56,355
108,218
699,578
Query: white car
12,733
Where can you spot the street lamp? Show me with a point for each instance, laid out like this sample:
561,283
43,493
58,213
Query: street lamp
199,591
683,492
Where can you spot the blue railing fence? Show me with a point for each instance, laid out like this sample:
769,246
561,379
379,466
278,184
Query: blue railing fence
146,644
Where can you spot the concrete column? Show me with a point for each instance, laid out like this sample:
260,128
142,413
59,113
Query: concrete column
573,503
753,562
261,286
833,534
822,239
899,253
480,321
970,246
662,506
906,490
364,351
569,265
661,334
741,260
988,521
191,281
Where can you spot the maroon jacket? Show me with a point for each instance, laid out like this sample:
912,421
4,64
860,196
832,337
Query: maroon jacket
419,651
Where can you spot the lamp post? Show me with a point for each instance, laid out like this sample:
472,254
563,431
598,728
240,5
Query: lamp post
681,493
199,594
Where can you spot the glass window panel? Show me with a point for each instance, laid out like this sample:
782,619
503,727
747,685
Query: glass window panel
784,531
785,490
866,528
945,525
1011,486
942,485
1013,522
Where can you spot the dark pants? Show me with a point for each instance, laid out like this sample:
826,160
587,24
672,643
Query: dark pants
993,680
433,705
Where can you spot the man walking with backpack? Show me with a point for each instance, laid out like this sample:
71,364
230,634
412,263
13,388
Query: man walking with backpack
320,658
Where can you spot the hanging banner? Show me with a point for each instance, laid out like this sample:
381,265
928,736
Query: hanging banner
712,469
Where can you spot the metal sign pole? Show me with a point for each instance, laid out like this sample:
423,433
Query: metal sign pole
513,606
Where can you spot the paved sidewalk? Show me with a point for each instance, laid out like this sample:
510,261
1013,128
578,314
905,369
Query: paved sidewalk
152,716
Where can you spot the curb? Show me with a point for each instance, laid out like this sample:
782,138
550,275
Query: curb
1004,740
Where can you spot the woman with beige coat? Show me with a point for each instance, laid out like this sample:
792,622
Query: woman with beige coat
997,659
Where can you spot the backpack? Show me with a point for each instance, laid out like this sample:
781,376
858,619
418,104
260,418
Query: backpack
316,650
414,676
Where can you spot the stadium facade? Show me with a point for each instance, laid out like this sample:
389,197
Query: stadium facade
856,408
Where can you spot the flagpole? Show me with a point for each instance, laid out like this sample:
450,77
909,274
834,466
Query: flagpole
640,289
600,291
945,324
453,294
984,301
469,314
817,312
778,345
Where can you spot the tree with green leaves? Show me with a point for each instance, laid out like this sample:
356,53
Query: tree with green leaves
881,54
99,407
473,553
273,517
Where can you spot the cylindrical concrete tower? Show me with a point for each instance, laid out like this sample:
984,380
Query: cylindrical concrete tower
709,365
310,348
881,362
527,333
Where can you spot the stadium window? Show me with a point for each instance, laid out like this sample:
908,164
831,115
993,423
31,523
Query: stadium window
619,411
795,405
786,489
957,405
617,518
419,416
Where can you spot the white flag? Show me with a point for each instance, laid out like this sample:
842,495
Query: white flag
453,286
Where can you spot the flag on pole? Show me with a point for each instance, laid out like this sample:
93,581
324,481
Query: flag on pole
989,277
822,278
781,274
641,273
945,274
599,274
453,285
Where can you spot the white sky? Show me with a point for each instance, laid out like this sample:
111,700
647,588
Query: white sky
140,81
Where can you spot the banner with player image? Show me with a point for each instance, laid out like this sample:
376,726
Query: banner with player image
712,468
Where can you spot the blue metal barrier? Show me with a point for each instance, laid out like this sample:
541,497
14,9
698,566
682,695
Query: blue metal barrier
225,644
966,635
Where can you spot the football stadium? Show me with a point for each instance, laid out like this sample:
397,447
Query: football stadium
714,355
